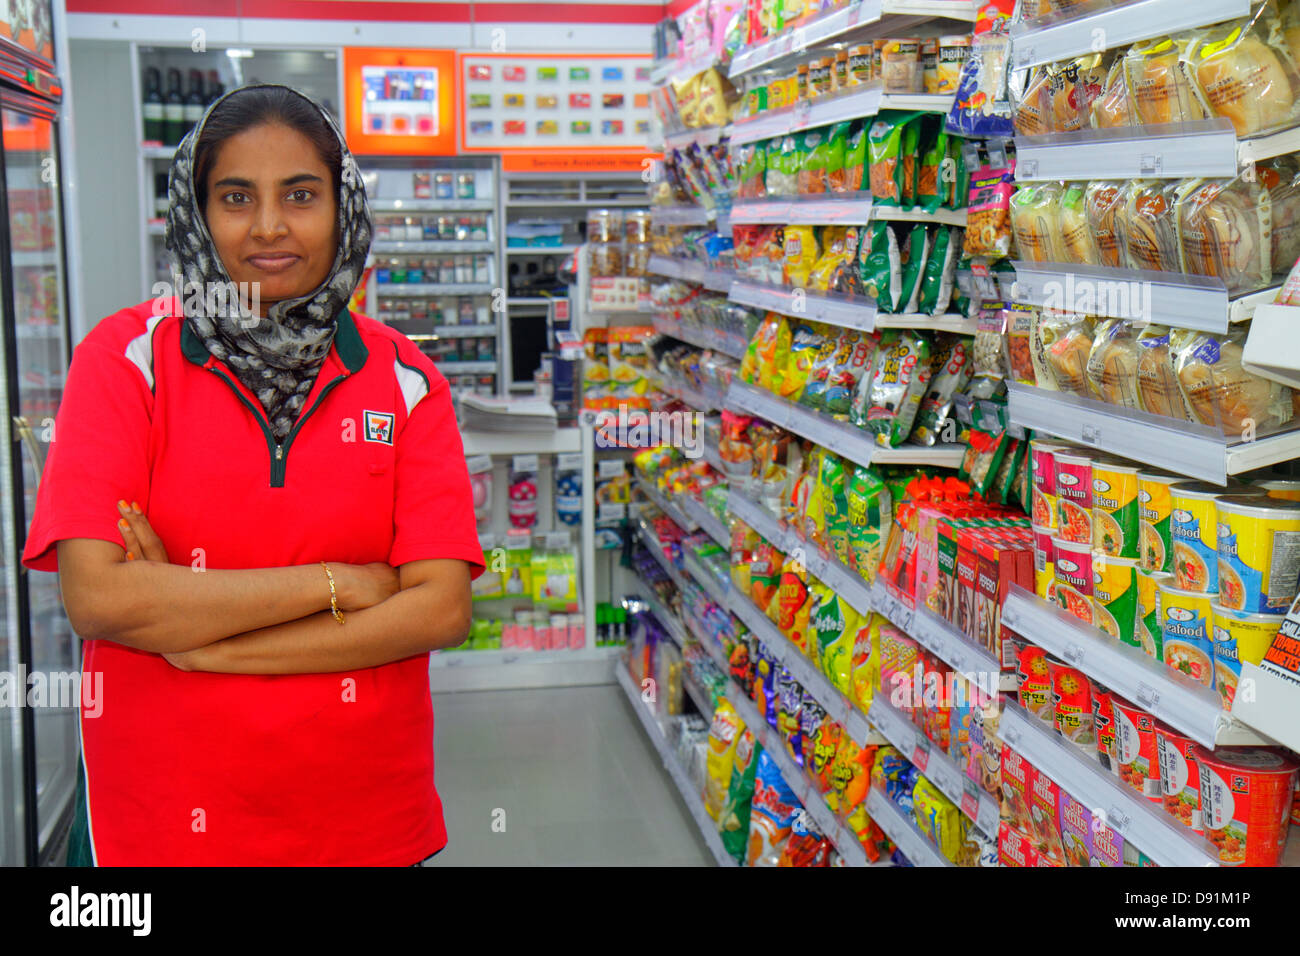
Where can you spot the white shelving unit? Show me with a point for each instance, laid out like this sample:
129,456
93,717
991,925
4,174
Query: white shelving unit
856,104
707,521
849,209
859,314
706,338
903,832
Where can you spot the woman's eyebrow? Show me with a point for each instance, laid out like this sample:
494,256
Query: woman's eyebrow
242,183
301,178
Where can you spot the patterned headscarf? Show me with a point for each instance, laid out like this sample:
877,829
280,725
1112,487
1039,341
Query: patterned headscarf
277,357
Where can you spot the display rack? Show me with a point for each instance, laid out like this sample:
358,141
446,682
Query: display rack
707,521
705,338
903,832
836,212
857,104
859,314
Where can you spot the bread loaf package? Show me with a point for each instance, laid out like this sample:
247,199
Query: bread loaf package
1157,383
1225,229
1036,222
1289,26
1101,206
1077,244
1220,393
1029,109
1158,88
1237,73
1071,90
1281,177
1112,364
1112,107
1067,342
1146,219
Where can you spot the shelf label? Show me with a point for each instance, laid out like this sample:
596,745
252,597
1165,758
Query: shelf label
1011,734
1147,695
1090,433
988,816
1150,164
1073,653
921,754
1118,820
1027,168
970,799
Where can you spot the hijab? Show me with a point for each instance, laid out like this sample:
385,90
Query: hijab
277,357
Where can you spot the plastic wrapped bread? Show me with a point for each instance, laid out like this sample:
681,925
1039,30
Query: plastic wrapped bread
1224,229
1029,110
1281,177
1220,393
1159,90
1112,107
1102,202
1112,364
1237,73
1077,243
1146,220
1157,383
1036,222
1071,90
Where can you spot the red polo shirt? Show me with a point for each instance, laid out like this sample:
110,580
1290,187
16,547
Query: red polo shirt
195,768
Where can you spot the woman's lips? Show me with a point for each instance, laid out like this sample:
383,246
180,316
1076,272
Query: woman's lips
273,262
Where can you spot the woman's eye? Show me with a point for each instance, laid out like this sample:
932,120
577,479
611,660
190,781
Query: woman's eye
300,195
236,199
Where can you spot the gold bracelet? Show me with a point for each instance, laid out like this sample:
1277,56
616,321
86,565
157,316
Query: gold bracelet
334,597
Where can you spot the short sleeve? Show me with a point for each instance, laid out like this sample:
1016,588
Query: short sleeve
99,454
434,507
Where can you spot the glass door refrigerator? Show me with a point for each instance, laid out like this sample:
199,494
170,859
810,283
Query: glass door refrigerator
39,748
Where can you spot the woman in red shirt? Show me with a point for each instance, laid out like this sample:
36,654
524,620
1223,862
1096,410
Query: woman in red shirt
259,508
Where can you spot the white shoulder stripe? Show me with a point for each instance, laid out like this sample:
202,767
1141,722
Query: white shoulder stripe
413,384
140,350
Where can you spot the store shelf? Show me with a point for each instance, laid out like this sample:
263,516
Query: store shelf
1116,26
657,551
857,103
837,25
718,593
507,657
704,400
1139,295
948,322
713,458
1271,709
522,301
715,280
664,505
890,817
457,332
434,205
522,443
844,439
1270,345
431,245
694,802
708,338
561,250
944,641
684,139
848,209
466,368
1174,698
1166,151
672,624
979,805
431,289
674,68
1181,447
707,520
857,314
680,215
1140,821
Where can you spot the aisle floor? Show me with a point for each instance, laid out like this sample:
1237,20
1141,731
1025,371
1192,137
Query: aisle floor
570,774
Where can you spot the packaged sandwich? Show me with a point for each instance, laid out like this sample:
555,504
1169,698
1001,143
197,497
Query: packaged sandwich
1112,364
1157,383
1224,229
1112,108
1281,177
1029,107
1042,332
1237,72
1071,90
1221,393
1147,221
1036,222
1158,87
1067,341
1077,243
1101,204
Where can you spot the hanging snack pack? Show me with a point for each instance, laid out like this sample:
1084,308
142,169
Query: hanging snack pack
886,155
951,369
733,821
988,219
900,383
772,813
880,266
724,733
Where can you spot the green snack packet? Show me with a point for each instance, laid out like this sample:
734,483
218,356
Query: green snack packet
929,176
862,396
814,150
937,276
855,159
955,176
835,508
886,156
733,821
950,371
814,390
833,639
911,161
836,147
899,384
1005,480
878,266
854,352
918,248
869,510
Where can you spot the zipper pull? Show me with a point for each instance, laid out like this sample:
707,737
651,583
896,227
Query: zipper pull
279,452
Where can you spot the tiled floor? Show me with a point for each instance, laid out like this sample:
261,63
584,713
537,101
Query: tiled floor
559,777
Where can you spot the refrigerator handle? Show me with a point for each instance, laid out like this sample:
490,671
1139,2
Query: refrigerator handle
32,445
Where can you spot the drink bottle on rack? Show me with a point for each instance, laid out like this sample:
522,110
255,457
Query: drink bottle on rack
194,101
216,89
174,110
153,105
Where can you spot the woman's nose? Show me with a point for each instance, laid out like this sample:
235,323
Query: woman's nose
268,224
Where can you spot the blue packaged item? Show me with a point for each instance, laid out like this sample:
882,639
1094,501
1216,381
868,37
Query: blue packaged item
789,696
979,109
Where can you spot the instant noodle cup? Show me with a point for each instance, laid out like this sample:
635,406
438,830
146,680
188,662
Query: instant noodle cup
1072,704
1146,623
1154,552
1246,796
1074,577
1034,674
1186,629
1193,532
1135,735
1114,596
1287,489
1259,553
1238,636
1074,498
1115,509
1180,781
1103,720
1042,464
1044,564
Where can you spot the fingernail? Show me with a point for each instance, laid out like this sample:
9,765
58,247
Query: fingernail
121,523
130,556
122,505
135,505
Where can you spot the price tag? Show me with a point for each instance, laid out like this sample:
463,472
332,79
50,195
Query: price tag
1147,695
1023,53
1027,168
802,113
1090,433
987,819
1010,616
970,799
1150,164
1073,653
855,14
1011,734
921,754
1118,820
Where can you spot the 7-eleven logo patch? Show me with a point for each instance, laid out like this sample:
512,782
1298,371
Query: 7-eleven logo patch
379,427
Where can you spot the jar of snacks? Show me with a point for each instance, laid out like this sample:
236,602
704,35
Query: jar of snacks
860,64
606,260
819,76
604,226
637,229
900,61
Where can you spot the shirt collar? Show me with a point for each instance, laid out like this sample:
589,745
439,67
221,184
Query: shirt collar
352,351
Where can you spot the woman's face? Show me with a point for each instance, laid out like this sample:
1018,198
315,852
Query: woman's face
272,211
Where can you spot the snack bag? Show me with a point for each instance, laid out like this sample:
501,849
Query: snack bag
814,390
835,509
765,576
789,701
812,177
801,252
988,219
833,635
724,732
1158,87
821,736
733,821
805,343
761,350
838,177
850,776
950,372
765,670
917,250
885,152
806,849
880,266
851,360
794,603
869,514
929,176
865,676
897,389
1222,394
937,817
939,274
772,813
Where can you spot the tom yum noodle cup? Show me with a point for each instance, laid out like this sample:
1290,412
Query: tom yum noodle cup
1074,498
1146,625
1246,795
1238,637
1154,552
1042,462
1115,509
1186,627
1180,779
1135,735
1259,553
1044,564
1114,596
1072,704
1074,577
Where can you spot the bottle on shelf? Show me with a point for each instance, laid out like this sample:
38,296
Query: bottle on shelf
194,101
153,106
216,89
174,110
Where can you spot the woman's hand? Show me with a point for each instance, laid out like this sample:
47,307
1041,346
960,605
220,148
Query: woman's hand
360,586
142,542
186,660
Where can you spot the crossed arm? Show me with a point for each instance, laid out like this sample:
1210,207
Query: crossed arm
260,621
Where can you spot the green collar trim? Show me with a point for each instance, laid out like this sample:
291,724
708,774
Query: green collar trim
347,341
